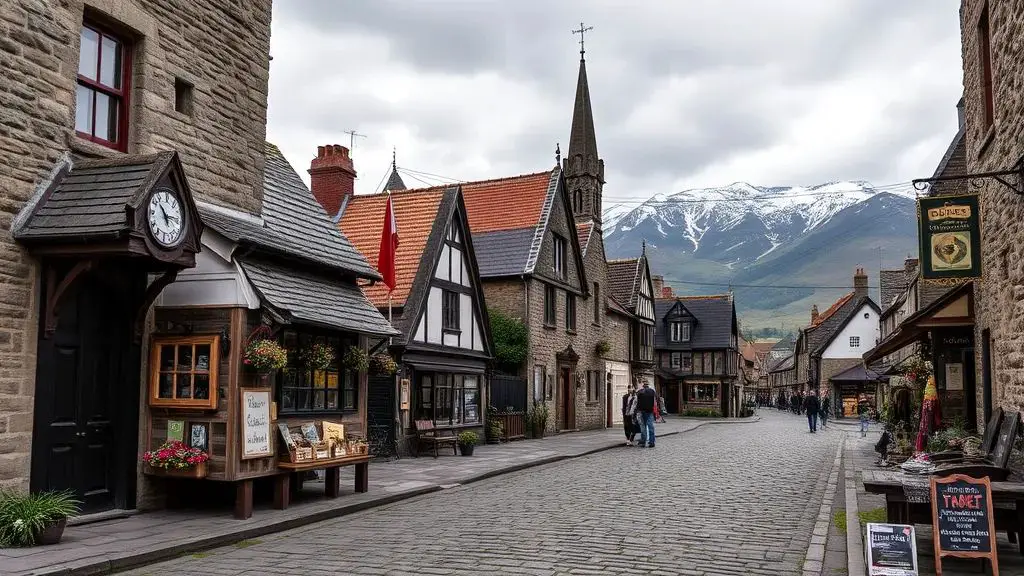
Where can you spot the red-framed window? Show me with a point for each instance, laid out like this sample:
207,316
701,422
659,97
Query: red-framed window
101,97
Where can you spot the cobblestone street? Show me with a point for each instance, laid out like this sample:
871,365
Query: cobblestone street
723,499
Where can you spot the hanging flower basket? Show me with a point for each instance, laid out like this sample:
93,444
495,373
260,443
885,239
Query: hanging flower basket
265,355
176,459
356,359
318,356
383,364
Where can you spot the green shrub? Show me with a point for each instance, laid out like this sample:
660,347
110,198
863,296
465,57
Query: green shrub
702,413
468,439
510,336
24,516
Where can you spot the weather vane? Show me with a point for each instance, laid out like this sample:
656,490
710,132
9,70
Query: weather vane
583,30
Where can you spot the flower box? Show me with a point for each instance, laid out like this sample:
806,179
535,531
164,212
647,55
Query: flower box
198,472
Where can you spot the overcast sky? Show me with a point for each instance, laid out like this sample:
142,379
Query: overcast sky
685,94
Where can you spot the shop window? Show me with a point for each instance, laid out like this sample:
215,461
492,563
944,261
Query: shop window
448,399
703,392
301,390
184,372
450,311
550,297
101,94
570,312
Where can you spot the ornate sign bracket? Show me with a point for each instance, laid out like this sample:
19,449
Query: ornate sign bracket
1012,178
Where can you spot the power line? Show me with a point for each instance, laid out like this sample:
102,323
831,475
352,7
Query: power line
771,286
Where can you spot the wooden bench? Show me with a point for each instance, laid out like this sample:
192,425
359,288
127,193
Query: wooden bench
332,468
427,433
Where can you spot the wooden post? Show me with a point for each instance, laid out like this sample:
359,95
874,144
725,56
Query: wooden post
362,477
243,499
282,491
332,477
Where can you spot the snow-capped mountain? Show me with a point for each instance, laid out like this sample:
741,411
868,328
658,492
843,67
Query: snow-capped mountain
745,234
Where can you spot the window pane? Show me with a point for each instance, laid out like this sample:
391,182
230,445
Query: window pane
83,109
332,399
349,400
166,385
287,399
319,400
106,117
302,401
110,63
332,380
184,358
167,358
319,379
202,387
88,52
184,386
203,357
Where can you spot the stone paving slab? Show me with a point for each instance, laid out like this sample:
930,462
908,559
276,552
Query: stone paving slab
121,543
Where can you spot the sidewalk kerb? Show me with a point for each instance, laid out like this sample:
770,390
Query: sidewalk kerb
815,556
855,559
112,564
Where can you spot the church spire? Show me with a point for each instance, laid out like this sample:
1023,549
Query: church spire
582,140
582,167
395,180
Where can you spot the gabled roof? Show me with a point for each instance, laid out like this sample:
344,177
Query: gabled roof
828,332
292,223
824,316
415,213
783,364
624,279
715,318
613,305
893,282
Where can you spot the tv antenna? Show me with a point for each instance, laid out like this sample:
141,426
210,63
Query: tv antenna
352,135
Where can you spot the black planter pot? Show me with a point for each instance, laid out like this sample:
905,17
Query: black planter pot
466,449
52,533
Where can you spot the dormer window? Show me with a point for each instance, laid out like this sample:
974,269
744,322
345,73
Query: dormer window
679,331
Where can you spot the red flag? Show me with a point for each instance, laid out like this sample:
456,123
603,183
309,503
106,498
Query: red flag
388,247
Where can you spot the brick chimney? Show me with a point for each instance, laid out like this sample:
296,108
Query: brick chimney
814,314
860,283
332,177
658,281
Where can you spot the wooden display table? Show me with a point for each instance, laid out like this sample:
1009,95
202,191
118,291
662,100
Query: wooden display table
332,467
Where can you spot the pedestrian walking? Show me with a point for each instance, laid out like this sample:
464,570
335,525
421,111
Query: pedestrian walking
826,405
863,408
646,404
812,407
628,413
661,409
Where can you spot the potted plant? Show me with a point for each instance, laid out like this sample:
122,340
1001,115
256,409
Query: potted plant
32,519
177,459
383,364
538,418
265,356
466,442
602,348
318,356
356,359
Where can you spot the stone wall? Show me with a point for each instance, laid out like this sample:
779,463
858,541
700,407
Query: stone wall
221,49
832,366
999,298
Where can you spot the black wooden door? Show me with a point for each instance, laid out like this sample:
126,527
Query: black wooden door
83,379
380,408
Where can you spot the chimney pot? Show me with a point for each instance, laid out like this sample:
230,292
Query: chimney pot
332,177
860,283
659,282
814,314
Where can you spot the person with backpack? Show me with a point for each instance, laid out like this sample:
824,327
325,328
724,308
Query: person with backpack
646,403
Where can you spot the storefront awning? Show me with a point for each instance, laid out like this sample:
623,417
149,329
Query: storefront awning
440,363
316,300
952,309
858,373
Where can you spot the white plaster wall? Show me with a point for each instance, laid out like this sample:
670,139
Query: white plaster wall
865,327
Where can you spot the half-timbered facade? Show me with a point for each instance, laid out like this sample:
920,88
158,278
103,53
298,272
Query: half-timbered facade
629,281
437,304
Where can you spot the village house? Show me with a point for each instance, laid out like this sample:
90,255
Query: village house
630,285
923,320
138,174
696,340
994,124
782,382
444,349
829,350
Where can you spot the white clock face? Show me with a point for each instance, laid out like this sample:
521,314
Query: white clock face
166,218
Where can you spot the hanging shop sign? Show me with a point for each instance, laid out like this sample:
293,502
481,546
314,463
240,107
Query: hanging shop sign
949,230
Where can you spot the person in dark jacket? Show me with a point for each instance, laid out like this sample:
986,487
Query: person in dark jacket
826,405
812,407
628,408
646,401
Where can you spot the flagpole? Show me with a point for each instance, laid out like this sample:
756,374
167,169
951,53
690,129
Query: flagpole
389,288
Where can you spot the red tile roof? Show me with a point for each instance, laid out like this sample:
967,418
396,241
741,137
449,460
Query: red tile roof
415,212
505,203
832,309
583,234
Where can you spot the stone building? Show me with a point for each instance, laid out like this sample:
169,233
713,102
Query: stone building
111,81
993,61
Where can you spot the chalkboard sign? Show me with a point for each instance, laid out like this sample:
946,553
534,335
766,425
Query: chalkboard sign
962,521
256,430
892,550
1007,436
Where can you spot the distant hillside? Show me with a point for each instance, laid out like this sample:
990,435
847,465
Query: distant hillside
792,239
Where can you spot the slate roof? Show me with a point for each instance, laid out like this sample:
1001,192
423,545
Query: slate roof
953,163
857,373
504,252
893,283
712,329
292,222
783,364
415,212
93,198
395,181
613,305
623,280
582,139
315,299
820,337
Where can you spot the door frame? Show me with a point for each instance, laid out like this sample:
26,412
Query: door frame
567,394
124,418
